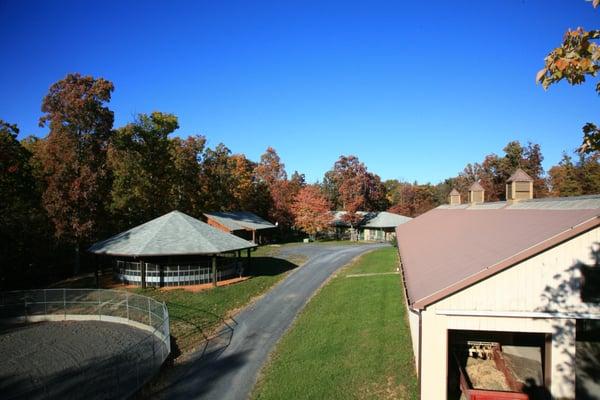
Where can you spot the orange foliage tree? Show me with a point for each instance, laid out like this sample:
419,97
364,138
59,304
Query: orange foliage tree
311,210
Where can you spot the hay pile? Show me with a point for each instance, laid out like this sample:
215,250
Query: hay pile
484,375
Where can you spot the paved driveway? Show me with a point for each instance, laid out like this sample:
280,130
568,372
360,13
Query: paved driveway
229,365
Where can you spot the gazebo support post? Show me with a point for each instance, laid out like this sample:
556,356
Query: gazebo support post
214,270
248,256
254,236
239,262
143,272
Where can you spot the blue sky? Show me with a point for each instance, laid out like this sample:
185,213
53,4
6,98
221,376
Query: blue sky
415,89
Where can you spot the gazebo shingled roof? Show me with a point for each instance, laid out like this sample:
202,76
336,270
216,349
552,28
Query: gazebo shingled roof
172,234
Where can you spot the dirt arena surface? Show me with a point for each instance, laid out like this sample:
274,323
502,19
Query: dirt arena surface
71,359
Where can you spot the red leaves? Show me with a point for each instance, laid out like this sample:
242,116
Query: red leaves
311,210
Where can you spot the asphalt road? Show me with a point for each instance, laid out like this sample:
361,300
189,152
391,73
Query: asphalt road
227,368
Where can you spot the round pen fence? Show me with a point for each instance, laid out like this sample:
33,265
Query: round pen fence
118,375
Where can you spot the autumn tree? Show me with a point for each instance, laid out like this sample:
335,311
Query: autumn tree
75,156
248,193
578,178
186,155
271,171
270,168
311,210
494,171
575,59
411,199
353,188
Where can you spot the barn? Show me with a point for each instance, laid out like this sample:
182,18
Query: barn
509,286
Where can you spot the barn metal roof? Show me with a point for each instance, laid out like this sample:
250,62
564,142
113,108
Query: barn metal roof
452,247
174,233
239,220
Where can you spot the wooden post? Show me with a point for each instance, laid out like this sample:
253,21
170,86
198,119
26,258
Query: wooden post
248,255
214,270
239,262
143,272
161,272
254,236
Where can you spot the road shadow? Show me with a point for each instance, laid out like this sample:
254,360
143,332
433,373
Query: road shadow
268,266
194,375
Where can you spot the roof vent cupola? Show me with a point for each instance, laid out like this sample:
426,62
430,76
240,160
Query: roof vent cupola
476,193
519,186
454,197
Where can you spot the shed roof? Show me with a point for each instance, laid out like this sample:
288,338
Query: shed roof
519,176
385,219
476,186
174,233
454,192
452,247
239,220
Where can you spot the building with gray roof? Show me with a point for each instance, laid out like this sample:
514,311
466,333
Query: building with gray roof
174,239
244,224
373,226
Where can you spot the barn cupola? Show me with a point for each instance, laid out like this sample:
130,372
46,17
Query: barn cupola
454,197
476,193
519,186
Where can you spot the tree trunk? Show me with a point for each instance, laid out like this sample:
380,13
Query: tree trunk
76,260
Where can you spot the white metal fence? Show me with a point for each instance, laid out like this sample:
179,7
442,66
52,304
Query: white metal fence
118,376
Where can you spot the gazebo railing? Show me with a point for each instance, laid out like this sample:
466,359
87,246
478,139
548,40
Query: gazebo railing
130,272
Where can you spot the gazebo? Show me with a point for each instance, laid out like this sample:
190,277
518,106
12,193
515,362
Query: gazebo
174,249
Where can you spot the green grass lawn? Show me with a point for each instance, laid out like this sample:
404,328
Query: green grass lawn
194,316
352,341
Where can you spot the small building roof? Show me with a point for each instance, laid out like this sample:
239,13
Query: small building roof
172,234
371,219
519,176
454,192
452,247
239,220
476,187
385,219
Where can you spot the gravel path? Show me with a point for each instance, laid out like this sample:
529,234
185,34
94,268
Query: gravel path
68,359
228,367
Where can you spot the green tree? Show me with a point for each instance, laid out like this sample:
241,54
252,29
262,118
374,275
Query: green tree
74,159
17,203
140,160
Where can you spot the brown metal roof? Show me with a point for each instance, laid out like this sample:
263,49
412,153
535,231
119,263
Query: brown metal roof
476,187
450,248
519,176
454,192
